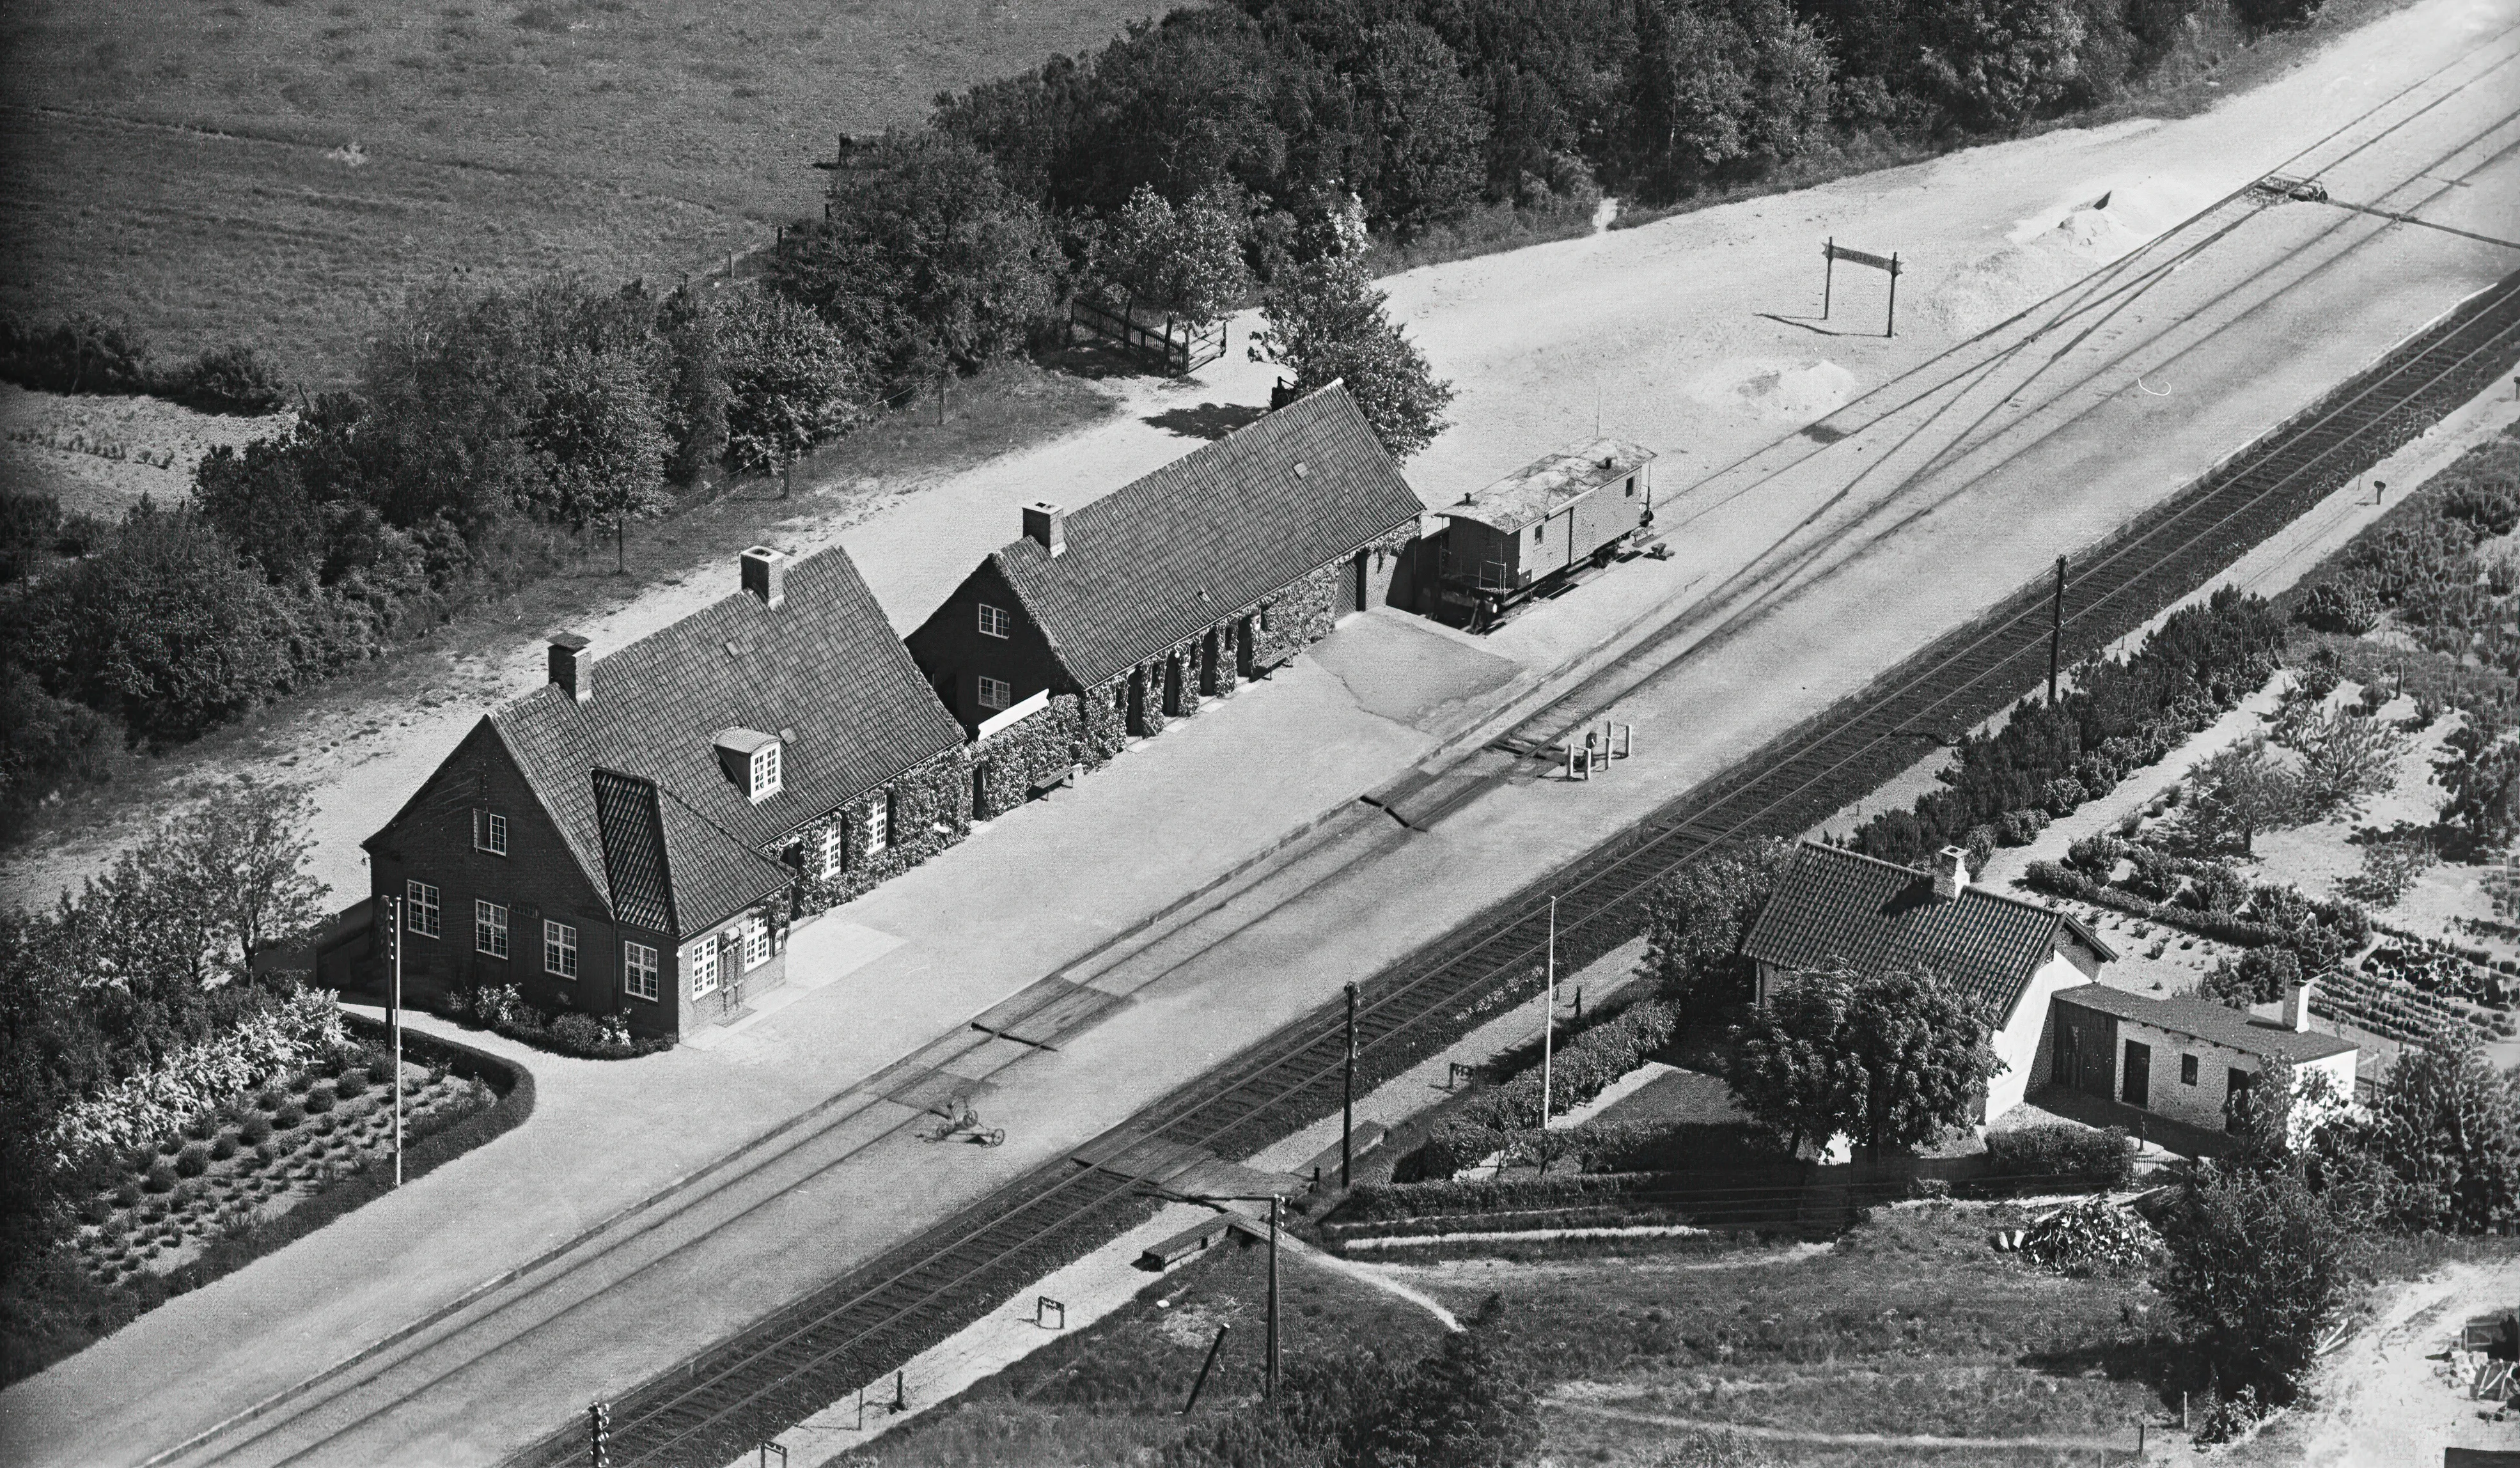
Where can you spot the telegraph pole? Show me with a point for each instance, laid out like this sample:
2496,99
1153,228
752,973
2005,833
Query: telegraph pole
1548,1019
1347,1104
1272,1296
2057,632
393,939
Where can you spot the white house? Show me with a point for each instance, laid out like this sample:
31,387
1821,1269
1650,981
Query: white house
2008,956
2187,1059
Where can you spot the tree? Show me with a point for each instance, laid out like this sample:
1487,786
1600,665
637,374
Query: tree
1325,322
257,497
599,440
1997,63
242,856
1696,920
1889,1061
2259,1265
1917,1054
694,392
1185,262
791,382
928,258
1787,1066
2444,1128
2240,792
1426,128
166,626
2480,768
2346,756
1719,88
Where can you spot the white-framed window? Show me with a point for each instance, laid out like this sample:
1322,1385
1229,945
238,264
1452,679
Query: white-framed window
420,910
705,966
638,970
490,832
995,692
765,770
995,621
560,948
834,852
490,929
756,940
879,824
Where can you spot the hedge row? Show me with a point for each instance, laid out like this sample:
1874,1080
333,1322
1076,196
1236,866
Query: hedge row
2062,880
2058,1149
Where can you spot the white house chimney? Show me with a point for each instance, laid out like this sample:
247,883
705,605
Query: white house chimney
1046,524
765,574
571,668
1951,872
2296,1009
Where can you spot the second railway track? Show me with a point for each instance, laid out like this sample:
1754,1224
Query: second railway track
715,1406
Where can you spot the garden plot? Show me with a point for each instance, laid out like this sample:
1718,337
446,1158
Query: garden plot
256,1159
99,456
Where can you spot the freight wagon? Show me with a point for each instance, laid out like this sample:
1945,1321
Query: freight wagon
1525,532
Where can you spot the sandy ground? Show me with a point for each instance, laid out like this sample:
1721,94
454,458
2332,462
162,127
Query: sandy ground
1699,337
100,455
2380,1399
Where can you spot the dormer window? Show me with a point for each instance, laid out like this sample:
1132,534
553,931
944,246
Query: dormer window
752,760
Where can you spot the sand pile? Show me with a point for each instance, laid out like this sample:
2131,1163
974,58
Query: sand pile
2098,223
1794,392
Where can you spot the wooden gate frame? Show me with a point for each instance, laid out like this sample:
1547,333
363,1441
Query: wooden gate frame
1832,252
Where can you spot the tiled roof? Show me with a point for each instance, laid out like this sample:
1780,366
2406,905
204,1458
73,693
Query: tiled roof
824,667
1154,562
1832,905
2206,1020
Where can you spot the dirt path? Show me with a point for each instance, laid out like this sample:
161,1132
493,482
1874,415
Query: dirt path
2379,1399
1848,1440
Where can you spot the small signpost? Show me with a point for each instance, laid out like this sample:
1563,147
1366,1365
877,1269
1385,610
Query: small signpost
1832,252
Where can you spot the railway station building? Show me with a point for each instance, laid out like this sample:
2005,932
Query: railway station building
1105,623
2008,956
636,835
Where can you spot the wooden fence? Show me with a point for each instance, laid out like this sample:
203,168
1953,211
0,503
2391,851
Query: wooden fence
1176,346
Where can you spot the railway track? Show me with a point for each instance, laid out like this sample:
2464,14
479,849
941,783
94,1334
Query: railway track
716,1405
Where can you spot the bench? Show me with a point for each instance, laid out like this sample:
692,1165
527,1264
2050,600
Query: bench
1205,1235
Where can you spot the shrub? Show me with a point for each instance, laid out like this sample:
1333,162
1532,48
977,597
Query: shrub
2349,607
231,379
288,1116
2059,1149
193,1161
162,1177
128,1193
2218,888
2020,828
381,1069
353,1084
580,1034
2062,797
224,1148
254,1130
2096,854
319,1099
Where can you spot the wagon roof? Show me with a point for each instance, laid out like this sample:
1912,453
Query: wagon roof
1546,485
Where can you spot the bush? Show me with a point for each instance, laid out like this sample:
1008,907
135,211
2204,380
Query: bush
193,1161
2058,1149
254,1130
231,379
2347,606
223,1149
580,1033
352,1084
162,1177
288,1116
319,1099
2020,828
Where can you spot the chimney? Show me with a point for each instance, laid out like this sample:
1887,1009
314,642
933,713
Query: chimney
765,574
571,668
1951,872
1046,524
2296,1009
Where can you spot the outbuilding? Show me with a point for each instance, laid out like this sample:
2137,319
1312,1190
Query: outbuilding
2188,1059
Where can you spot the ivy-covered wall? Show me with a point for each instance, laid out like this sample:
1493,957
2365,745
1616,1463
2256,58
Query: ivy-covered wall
936,795
1075,729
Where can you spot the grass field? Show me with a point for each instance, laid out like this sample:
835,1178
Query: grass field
275,170
1908,1325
